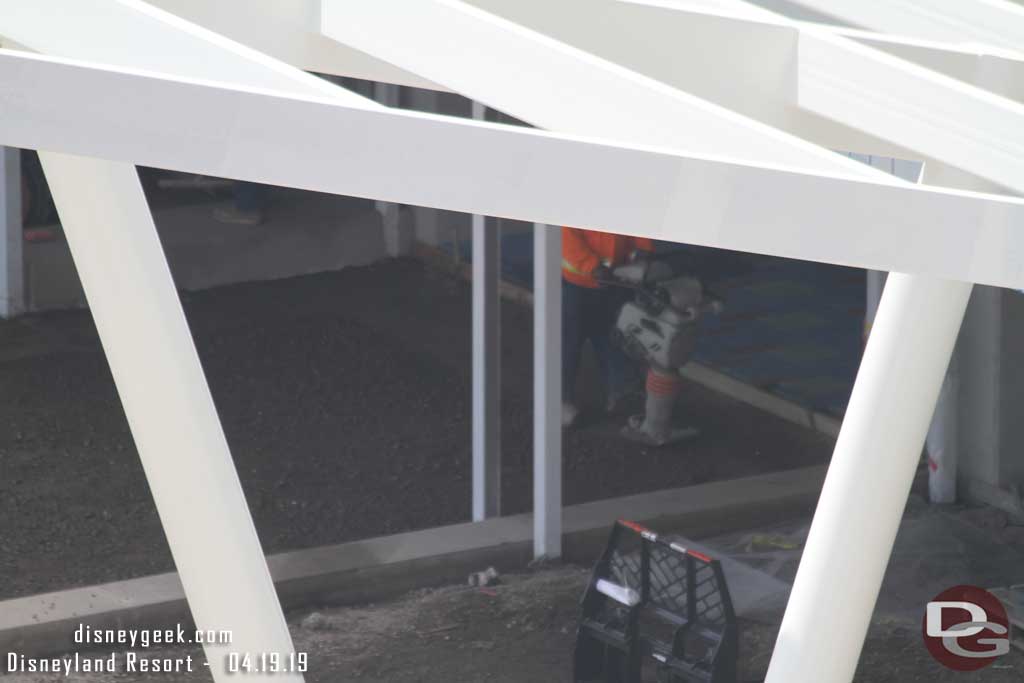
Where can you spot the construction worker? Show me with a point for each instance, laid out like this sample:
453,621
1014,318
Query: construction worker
589,309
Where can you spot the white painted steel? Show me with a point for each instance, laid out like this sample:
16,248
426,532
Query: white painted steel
51,103
390,214
486,363
832,90
136,35
868,480
703,53
116,249
547,391
169,408
288,30
999,72
998,23
12,276
525,73
962,126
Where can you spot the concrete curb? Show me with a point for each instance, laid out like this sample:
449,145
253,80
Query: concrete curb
695,372
384,567
769,403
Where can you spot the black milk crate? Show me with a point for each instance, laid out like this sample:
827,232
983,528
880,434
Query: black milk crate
655,611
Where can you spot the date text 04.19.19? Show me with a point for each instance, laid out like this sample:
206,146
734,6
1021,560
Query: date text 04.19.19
266,662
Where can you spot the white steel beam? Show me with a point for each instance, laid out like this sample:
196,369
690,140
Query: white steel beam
529,99
135,35
759,72
747,65
998,23
12,276
168,405
869,478
999,72
486,363
133,300
50,103
547,391
961,126
524,73
289,31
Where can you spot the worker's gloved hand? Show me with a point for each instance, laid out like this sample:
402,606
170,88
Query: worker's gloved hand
602,273
632,273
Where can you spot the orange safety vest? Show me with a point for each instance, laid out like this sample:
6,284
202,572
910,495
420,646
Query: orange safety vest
584,250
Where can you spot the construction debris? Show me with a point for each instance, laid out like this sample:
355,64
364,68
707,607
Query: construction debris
487,577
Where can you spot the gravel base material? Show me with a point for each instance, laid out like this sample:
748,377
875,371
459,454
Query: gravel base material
346,402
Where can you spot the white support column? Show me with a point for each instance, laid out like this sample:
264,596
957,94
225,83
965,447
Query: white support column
168,405
547,391
396,242
865,492
486,364
12,279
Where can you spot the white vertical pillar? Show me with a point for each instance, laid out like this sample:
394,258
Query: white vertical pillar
869,478
396,241
168,405
486,364
12,277
547,391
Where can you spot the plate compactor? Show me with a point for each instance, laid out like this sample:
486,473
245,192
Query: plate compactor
655,611
658,327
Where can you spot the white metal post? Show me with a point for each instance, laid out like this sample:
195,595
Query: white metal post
395,242
12,283
547,391
486,364
168,405
865,492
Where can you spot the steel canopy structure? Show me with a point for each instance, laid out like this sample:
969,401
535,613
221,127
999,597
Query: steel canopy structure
637,137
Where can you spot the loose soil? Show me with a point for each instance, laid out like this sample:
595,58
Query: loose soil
346,402
521,631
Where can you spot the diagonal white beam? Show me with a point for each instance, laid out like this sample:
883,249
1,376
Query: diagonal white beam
960,125
997,71
525,73
998,23
50,103
912,304
758,71
869,478
132,297
289,31
168,406
747,65
136,35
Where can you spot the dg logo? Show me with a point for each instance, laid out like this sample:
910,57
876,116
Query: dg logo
966,628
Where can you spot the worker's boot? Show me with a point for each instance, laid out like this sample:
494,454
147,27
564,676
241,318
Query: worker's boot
654,428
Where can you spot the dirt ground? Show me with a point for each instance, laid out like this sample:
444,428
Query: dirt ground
521,631
346,401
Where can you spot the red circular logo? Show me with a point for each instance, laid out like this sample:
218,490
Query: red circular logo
966,628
